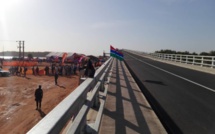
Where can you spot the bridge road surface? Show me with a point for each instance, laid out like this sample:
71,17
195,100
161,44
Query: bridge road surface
126,110
183,99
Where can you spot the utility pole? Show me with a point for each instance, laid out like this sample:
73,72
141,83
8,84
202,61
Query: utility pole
19,47
103,53
23,48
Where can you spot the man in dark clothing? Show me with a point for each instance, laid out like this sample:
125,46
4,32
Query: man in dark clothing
37,70
33,70
56,77
20,71
90,70
47,70
38,97
25,70
53,67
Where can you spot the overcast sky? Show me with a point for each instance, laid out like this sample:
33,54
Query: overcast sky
91,26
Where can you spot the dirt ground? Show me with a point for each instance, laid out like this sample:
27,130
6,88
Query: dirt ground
18,112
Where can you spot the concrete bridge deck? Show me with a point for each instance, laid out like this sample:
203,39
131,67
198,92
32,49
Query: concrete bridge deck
126,109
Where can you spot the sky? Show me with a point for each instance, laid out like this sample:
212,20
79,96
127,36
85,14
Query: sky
91,26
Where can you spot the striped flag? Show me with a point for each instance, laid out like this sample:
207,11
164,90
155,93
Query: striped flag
64,57
116,53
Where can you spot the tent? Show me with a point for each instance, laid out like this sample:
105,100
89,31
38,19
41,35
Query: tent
57,57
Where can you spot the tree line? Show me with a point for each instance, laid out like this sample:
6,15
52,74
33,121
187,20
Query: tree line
167,51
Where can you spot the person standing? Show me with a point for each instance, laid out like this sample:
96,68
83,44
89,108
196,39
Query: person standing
90,70
56,75
20,71
52,68
33,70
25,70
37,70
74,68
47,70
38,97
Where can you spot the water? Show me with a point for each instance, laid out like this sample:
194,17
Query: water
10,57
7,57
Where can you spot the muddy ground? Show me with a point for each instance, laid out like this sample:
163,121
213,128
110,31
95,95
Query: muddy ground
18,112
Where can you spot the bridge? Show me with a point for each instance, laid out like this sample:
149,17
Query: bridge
145,93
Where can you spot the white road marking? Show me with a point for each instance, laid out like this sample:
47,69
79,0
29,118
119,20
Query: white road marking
210,89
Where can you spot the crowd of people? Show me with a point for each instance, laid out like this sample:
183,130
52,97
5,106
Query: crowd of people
63,70
18,70
66,70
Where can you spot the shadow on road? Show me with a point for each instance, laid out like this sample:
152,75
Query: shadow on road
61,86
42,114
155,82
27,78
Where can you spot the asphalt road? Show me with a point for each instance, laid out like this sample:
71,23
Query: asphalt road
184,99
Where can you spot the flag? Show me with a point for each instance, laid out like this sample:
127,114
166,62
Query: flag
64,57
116,53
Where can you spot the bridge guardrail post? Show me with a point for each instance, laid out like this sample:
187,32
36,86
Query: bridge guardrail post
101,88
212,62
202,61
96,100
176,58
193,60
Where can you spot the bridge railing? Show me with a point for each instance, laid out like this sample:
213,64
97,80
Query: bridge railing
69,116
207,61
